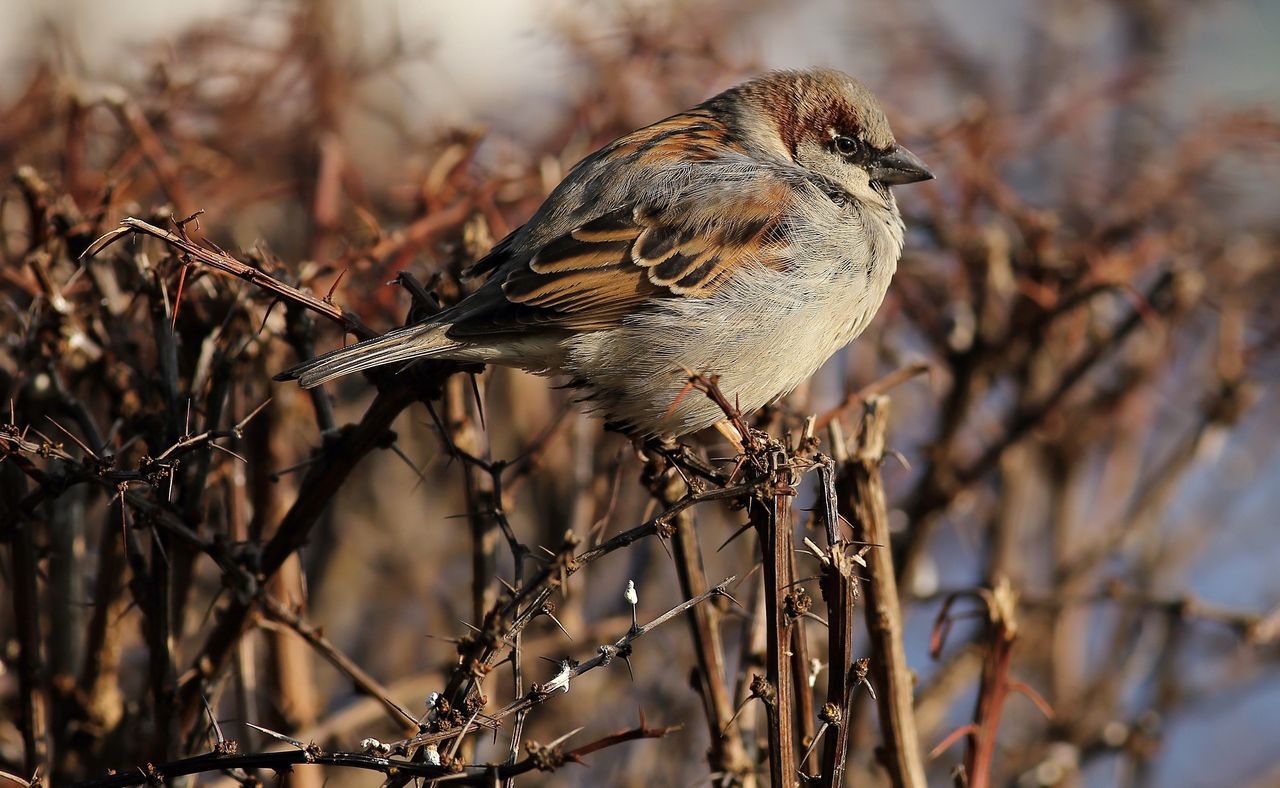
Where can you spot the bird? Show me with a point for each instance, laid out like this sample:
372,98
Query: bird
748,238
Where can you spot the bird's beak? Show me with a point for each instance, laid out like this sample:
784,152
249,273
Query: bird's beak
899,166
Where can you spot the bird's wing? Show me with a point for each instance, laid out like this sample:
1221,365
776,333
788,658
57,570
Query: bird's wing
683,218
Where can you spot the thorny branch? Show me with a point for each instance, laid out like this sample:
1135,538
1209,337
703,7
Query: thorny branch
605,655
545,758
225,264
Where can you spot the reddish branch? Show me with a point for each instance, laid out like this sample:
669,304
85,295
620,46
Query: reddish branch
1000,605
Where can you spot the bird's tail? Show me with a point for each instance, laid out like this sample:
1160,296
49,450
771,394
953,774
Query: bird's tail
403,344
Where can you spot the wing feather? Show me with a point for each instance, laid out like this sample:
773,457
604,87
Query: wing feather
671,237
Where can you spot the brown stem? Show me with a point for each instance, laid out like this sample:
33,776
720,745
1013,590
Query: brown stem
804,714
771,516
464,436
359,677
324,478
726,754
33,690
862,495
840,592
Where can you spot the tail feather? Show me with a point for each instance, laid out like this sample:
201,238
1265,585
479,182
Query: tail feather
402,344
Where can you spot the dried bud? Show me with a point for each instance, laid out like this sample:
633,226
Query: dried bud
831,714
762,689
545,759
796,603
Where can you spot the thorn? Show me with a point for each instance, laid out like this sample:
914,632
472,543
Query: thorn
563,738
736,712
328,297
558,624
267,315
68,433
220,447
193,218
475,393
217,729
422,479
728,596
817,618
275,476
901,458
177,298
817,736
666,549
952,738
746,527
245,421
278,736
1034,697
671,409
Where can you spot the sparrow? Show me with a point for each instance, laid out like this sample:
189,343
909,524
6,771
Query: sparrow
748,238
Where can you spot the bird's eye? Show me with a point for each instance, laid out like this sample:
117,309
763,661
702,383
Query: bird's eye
846,146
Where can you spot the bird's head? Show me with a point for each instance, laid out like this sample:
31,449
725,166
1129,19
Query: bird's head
827,122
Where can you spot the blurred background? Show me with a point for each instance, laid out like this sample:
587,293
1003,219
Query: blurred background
1091,286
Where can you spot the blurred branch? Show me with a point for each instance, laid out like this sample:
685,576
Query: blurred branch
363,681
942,482
726,754
999,603
323,480
33,689
1257,629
